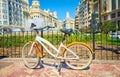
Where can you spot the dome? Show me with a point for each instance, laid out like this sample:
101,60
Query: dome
36,3
26,1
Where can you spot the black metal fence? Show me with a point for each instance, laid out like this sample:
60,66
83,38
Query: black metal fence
105,46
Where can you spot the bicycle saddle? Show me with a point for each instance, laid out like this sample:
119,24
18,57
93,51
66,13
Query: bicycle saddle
67,31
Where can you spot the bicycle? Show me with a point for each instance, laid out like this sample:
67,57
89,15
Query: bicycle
76,55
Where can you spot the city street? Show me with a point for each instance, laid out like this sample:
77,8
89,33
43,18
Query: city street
16,68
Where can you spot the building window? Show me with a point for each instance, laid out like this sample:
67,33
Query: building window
113,4
105,17
105,6
4,1
4,16
113,15
118,24
5,22
119,4
0,22
4,11
4,5
118,14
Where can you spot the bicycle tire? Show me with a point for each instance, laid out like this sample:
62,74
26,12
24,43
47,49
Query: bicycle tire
83,51
31,60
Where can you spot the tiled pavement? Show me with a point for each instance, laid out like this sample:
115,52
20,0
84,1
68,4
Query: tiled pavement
16,68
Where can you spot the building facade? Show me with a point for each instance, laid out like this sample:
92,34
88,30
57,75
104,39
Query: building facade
49,17
77,18
69,22
104,10
110,11
4,12
14,13
84,13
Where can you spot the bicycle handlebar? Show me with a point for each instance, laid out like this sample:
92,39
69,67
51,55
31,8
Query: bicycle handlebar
47,27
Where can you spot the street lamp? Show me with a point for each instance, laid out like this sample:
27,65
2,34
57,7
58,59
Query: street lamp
92,2
93,15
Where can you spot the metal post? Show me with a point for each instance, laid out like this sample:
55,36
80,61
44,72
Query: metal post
42,46
93,33
93,24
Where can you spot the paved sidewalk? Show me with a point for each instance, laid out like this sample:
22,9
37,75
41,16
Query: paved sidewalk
16,68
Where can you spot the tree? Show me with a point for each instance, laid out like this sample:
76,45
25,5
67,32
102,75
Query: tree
108,26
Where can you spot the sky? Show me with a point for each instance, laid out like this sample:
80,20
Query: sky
60,6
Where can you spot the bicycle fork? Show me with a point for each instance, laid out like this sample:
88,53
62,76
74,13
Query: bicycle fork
34,44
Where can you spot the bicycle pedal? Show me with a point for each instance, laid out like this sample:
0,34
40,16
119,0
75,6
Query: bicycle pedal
41,66
42,62
55,65
60,57
43,55
79,64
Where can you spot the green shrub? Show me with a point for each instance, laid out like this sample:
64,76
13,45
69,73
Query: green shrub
55,39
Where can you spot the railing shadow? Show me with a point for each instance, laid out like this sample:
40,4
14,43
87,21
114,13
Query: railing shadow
2,57
114,50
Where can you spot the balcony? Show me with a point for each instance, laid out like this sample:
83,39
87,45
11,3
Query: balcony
25,11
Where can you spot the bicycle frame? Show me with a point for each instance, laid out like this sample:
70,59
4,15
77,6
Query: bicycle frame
42,41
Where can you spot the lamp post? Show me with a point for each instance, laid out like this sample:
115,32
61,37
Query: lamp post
93,13
92,2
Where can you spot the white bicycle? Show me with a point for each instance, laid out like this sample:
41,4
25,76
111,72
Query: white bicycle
76,55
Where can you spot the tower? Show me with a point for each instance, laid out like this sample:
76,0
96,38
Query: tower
36,4
26,1
69,22
35,9
67,15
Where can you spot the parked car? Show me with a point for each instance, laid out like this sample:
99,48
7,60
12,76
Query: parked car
115,35
9,30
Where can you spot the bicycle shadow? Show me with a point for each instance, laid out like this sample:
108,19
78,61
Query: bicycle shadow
66,67
63,65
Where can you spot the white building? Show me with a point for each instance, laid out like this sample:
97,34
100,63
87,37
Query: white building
49,17
84,14
13,13
110,11
69,22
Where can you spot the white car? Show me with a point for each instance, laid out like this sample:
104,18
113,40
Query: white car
115,35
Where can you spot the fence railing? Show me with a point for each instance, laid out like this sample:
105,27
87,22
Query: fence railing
106,46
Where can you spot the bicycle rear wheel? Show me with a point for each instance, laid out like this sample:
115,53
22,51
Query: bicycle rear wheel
83,51
30,55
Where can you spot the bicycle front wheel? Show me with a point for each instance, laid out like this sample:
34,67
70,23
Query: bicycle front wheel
30,55
82,51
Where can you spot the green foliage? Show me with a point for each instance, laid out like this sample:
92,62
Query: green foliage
107,27
14,40
55,39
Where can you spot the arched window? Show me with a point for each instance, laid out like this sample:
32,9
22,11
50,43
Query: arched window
113,4
105,5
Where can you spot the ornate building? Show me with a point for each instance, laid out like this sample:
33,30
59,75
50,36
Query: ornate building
49,17
14,13
110,11
69,22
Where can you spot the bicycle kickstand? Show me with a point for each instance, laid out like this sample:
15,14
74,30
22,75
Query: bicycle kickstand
59,67
41,64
